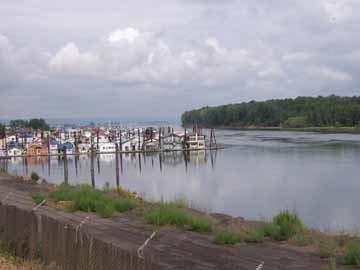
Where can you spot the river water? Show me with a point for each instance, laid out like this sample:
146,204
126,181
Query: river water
258,174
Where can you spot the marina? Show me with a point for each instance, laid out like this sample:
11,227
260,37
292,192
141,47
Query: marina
20,142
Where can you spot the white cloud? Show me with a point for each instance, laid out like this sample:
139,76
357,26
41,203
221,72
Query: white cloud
273,72
331,73
70,60
296,56
129,34
134,56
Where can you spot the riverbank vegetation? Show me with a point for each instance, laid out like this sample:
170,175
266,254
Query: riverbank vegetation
332,112
286,227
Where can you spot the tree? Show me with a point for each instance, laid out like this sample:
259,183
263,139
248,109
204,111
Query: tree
299,112
2,131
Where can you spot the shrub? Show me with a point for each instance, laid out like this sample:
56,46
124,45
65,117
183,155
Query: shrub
284,226
255,236
34,176
226,238
172,215
352,255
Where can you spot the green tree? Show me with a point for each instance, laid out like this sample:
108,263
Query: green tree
2,131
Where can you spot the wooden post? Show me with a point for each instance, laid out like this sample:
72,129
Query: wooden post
117,165
159,138
139,155
66,173
48,144
92,172
138,138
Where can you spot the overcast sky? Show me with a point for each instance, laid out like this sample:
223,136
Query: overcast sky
156,59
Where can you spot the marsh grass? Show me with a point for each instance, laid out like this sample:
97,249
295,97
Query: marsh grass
226,237
284,226
171,214
254,235
88,199
352,254
38,197
326,247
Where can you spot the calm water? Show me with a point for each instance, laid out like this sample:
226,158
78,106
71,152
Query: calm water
257,175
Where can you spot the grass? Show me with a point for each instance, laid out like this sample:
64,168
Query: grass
38,197
171,214
331,264
9,261
352,254
88,199
226,237
284,226
326,247
254,236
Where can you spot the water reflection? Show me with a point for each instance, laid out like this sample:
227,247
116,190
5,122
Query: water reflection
257,175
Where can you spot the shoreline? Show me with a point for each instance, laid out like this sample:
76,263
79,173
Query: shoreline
325,130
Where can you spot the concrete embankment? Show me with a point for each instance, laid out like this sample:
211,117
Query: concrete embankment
58,239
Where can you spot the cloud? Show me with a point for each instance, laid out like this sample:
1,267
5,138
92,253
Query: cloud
331,73
70,60
296,56
130,55
129,34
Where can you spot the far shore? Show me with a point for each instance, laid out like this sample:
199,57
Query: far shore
348,130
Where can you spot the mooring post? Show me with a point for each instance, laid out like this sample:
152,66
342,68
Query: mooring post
117,165
92,172
66,175
138,138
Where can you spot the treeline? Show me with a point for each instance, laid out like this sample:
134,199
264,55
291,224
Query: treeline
293,113
35,123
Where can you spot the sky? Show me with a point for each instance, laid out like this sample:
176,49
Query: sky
153,60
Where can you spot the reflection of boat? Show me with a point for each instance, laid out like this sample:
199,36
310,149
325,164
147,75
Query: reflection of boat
15,151
34,160
197,156
172,158
107,157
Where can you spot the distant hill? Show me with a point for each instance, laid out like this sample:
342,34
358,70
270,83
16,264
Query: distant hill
300,112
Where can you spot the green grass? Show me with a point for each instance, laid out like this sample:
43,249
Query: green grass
170,214
255,236
284,226
326,247
352,255
88,199
38,197
226,237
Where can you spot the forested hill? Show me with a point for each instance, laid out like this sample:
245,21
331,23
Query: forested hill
293,113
